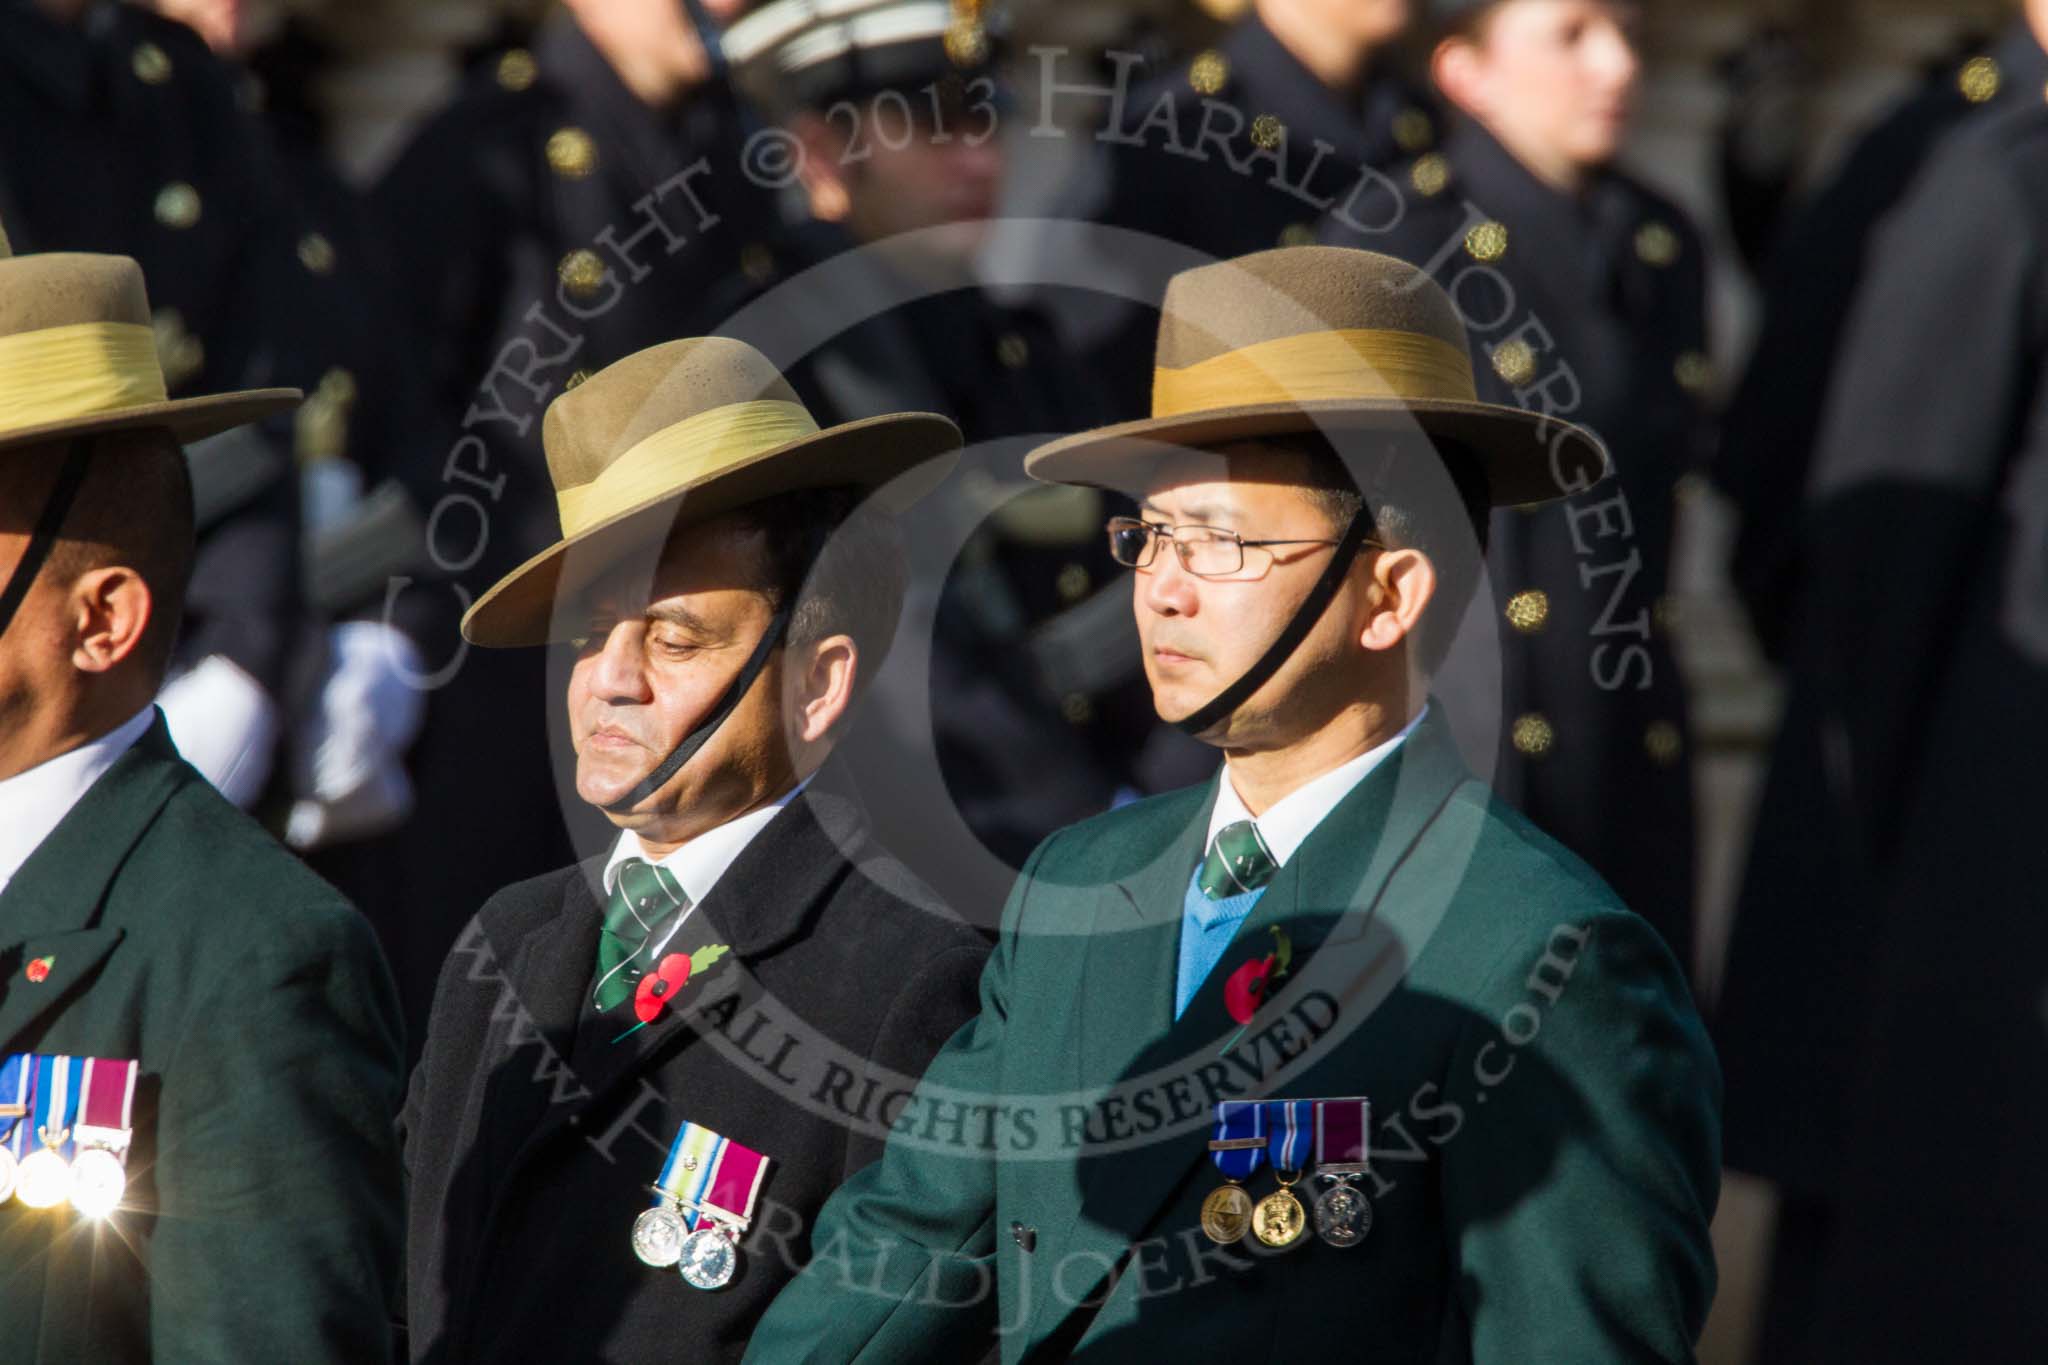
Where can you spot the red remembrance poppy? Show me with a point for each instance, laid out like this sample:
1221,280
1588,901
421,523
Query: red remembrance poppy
1246,988
660,986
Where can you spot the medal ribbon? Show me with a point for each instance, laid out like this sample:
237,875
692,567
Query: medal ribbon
108,1097
17,1072
1341,1133
1239,1147
1292,1126
56,1102
724,1175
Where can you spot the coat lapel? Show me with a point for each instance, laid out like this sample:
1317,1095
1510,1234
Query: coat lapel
52,907
1326,895
768,895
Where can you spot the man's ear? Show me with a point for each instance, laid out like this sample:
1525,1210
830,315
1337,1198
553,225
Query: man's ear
1400,585
822,168
1454,67
822,693
109,610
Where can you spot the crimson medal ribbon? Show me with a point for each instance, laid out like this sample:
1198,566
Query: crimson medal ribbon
1343,1142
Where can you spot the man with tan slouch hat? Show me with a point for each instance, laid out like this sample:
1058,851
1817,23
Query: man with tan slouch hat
732,1003
1333,1056
199,1042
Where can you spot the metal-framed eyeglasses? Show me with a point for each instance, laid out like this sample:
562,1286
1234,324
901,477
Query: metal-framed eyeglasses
1205,551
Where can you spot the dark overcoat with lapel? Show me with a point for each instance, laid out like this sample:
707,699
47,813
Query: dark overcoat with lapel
1545,1110
262,1219
1886,971
1590,308
532,1137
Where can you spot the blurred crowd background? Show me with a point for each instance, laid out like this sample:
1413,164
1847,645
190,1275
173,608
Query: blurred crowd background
434,215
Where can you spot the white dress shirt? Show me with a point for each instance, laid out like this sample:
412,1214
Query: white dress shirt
1291,819
34,803
698,864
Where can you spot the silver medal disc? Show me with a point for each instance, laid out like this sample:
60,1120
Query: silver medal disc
1343,1215
10,1167
658,1237
709,1258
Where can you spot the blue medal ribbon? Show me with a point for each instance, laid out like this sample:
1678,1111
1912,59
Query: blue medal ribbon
1291,1129
1239,1121
57,1083
17,1074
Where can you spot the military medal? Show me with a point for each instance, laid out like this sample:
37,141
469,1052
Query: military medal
1238,1149
1343,1153
15,1072
44,1180
1279,1220
99,1172
704,1203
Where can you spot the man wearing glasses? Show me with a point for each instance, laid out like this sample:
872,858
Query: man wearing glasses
1333,1052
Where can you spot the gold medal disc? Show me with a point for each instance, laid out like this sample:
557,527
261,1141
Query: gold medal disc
1279,1219
1226,1214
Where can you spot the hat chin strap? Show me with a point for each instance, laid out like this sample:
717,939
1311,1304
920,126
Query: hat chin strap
1296,630
697,738
44,538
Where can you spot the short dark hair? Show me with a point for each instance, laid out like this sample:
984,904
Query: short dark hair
1445,520
134,509
838,561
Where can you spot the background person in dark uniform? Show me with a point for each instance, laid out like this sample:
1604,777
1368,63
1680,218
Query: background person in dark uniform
1037,711
1881,1009
1768,434
1585,291
1236,161
729,573
120,132
510,292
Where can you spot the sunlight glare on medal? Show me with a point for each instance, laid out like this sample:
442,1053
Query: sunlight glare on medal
97,1183
45,1180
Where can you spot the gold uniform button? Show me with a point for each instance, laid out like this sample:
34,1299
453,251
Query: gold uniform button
757,263
575,377
1532,735
1208,72
1267,132
1074,583
177,205
1663,743
151,64
1979,79
1515,361
1694,372
1013,352
581,272
1413,130
571,153
1430,174
1657,244
517,70
1487,241
1077,709
966,42
1529,610
1298,234
316,253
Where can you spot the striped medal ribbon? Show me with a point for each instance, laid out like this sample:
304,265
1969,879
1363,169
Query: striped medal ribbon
1279,1220
703,1204
44,1180
1238,1149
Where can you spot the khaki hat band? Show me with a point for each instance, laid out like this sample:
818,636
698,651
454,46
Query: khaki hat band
1354,363
680,455
83,369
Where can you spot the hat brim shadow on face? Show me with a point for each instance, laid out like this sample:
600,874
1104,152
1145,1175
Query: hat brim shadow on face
1527,458
898,458
186,419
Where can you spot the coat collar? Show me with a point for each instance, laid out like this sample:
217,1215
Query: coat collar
1273,81
1326,895
53,907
